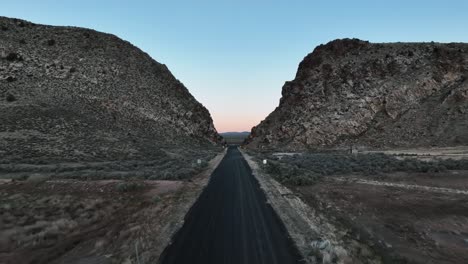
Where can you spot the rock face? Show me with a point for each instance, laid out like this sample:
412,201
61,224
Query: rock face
76,93
378,95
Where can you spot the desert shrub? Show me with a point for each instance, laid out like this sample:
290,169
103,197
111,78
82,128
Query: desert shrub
166,175
176,170
13,56
37,178
10,98
301,180
273,167
11,79
451,164
20,23
203,164
20,177
169,164
290,174
184,173
154,177
156,199
162,175
128,186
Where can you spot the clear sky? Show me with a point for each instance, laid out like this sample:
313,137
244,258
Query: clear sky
234,56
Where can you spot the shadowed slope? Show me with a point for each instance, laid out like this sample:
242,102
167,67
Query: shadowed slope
76,93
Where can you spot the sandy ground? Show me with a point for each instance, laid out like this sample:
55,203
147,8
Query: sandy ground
414,225
93,221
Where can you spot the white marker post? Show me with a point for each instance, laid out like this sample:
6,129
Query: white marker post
264,162
199,162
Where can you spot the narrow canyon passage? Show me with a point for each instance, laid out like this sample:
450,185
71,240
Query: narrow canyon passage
231,222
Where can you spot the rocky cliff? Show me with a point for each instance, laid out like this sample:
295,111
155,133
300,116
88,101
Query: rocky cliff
74,93
377,95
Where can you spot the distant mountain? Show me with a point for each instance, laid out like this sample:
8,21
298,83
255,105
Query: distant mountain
379,95
230,134
235,137
72,93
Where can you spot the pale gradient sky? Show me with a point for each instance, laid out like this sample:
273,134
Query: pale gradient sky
234,56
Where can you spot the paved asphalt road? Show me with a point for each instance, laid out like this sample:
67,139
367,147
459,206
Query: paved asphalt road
231,223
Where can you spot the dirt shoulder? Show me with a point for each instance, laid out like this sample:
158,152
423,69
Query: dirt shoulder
93,221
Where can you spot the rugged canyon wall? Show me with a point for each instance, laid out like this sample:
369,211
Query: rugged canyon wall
74,93
352,92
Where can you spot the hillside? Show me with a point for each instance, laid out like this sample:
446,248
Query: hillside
71,93
376,95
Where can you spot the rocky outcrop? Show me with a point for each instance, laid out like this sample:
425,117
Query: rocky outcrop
378,95
75,93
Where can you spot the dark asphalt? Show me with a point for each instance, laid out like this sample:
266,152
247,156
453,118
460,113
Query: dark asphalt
231,222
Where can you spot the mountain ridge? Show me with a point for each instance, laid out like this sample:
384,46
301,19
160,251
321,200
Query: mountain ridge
72,85
352,92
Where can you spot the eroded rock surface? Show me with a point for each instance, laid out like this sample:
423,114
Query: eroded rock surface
71,93
377,95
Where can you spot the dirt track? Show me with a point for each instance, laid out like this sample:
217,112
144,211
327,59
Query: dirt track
231,222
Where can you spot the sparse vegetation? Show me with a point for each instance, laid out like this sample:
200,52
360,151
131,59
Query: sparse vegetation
20,177
129,186
11,79
179,164
13,56
184,173
156,199
307,168
37,216
37,179
290,174
51,42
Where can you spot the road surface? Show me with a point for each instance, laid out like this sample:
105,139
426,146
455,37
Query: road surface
231,223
